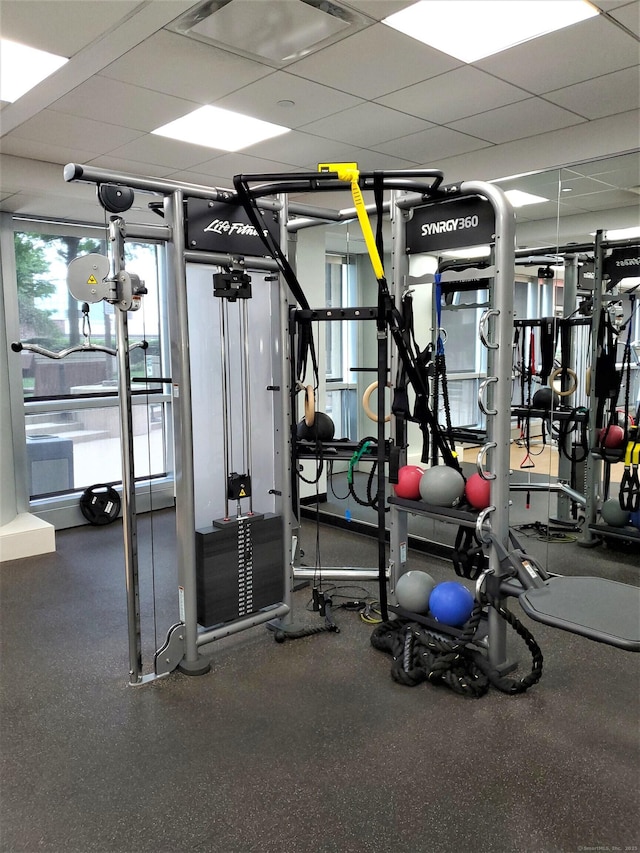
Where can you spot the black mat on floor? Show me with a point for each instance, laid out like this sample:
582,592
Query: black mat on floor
306,746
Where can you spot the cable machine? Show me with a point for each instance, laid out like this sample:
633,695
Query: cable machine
587,606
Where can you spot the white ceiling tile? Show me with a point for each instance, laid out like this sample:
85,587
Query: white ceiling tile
176,65
604,96
568,208
130,106
612,199
629,16
44,150
428,146
128,167
73,131
517,121
239,162
373,63
370,123
583,71
311,100
565,57
461,92
610,5
573,185
22,175
162,151
622,177
73,25
618,170
369,160
298,149
379,9
543,210
545,184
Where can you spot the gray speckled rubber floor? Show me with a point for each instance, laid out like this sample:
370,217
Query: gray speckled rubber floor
304,747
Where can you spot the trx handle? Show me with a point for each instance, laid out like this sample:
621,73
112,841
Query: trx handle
629,495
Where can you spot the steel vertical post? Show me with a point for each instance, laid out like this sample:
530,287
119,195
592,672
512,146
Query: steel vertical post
499,366
129,519
192,663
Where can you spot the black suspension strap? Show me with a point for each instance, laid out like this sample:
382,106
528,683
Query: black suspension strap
417,378
576,421
629,495
547,347
607,377
400,404
306,347
469,560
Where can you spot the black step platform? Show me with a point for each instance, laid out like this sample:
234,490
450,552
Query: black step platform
597,608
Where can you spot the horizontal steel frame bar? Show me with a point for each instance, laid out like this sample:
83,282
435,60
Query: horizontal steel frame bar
163,186
102,401
403,179
343,573
224,260
346,214
549,487
213,634
366,313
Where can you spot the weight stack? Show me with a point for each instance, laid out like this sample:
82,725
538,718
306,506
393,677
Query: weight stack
239,568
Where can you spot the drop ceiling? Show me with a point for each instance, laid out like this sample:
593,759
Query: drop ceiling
363,92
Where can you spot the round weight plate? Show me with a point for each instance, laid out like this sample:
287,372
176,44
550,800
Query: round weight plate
100,504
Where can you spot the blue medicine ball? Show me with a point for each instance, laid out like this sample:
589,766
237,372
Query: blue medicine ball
451,603
634,518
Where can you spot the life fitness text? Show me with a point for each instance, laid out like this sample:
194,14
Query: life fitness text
223,226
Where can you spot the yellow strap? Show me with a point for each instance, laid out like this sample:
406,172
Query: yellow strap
628,454
349,173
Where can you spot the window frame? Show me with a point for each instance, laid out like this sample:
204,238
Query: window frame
61,509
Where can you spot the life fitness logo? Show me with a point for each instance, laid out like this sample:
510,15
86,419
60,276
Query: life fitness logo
461,223
223,226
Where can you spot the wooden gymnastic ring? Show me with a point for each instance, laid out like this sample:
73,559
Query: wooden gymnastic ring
559,371
309,406
587,382
365,403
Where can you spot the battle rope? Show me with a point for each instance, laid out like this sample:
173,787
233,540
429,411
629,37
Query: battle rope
421,654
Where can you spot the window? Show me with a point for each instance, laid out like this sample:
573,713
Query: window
341,343
71,403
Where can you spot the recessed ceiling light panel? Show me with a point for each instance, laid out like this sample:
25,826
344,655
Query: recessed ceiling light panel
519,198
473,29
23,67
214,127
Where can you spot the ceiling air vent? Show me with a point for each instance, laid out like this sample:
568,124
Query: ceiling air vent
277,32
